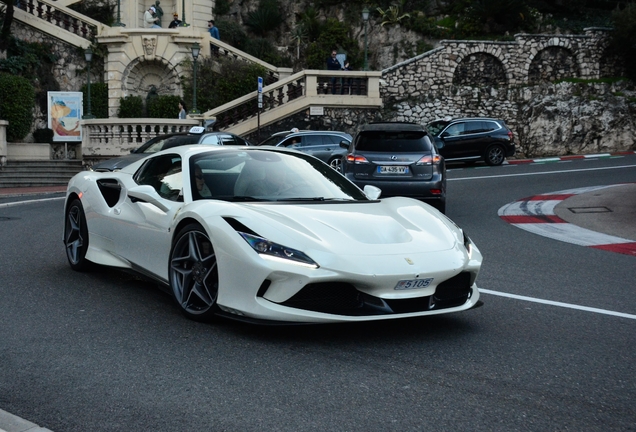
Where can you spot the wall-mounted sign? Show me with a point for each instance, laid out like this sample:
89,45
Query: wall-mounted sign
316,110
65,112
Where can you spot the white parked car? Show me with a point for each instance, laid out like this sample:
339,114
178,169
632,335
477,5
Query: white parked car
269,234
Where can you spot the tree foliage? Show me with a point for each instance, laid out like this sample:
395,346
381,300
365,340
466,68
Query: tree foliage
18,97
131,107
266,18
623,41
99,99
164,106
334,35
220,81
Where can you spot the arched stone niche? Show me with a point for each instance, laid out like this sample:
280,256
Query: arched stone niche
551,64
142,74
480,69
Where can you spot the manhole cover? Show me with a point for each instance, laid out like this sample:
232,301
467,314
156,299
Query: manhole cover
589,210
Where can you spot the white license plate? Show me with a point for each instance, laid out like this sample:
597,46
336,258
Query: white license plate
413,284
393,169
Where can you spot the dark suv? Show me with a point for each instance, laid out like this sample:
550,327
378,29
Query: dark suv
400,159
473,139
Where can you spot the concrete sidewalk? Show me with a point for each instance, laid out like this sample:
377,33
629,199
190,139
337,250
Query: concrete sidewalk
22,191
11,423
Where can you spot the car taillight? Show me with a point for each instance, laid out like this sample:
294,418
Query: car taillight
430,160
436,191
511,135
351,158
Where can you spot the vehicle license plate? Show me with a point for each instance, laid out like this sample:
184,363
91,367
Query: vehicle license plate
413,284
393,169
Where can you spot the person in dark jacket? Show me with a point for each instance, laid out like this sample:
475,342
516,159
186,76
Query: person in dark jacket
333,64
175,21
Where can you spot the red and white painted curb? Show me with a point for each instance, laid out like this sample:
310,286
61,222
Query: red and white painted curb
568,158
536,215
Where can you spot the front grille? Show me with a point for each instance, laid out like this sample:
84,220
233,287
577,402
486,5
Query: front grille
452,292
341,298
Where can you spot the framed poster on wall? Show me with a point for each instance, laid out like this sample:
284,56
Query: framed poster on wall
65,113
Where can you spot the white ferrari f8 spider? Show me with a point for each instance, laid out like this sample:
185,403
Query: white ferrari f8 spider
269,235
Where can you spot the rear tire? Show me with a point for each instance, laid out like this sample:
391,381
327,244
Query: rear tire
495,155
76,237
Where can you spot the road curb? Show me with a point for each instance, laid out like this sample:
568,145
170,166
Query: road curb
568,158
536,214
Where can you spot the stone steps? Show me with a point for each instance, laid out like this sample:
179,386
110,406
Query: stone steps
38,173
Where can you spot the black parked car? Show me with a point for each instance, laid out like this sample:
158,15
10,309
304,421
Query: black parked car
473,139
196,135
325,145
400,159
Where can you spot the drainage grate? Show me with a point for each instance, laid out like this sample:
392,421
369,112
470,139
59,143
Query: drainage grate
589,210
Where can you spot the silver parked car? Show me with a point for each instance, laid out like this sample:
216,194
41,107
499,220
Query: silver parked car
325,145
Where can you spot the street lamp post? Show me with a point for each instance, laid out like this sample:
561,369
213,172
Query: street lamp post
365,18
88,55
196,49
183,21
118,23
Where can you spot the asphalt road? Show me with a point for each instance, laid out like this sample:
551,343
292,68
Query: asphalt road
106,351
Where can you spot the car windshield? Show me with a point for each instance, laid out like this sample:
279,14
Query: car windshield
434,128
268,175
393,141
153,145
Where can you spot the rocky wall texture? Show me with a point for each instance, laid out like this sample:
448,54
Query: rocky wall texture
547,119
69,67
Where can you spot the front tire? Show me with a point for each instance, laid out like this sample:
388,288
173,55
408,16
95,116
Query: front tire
76,236
495,155
193,273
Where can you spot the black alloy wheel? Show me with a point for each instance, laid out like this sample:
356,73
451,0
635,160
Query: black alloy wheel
193,273
495,155
76,236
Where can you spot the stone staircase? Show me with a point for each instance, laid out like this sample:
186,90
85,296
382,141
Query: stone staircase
38,173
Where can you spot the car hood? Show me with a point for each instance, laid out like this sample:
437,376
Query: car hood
118,162
390,226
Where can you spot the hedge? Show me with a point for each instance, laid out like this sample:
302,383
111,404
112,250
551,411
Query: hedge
17,99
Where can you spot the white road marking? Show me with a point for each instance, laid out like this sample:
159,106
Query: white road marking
559,304
541,173
11,204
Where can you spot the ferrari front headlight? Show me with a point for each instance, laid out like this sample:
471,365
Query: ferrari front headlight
273,251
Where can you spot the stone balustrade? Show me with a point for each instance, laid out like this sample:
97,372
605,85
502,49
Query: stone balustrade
117,137
62,17
299,92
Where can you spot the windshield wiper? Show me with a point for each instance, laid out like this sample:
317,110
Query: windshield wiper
242,198
313,199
